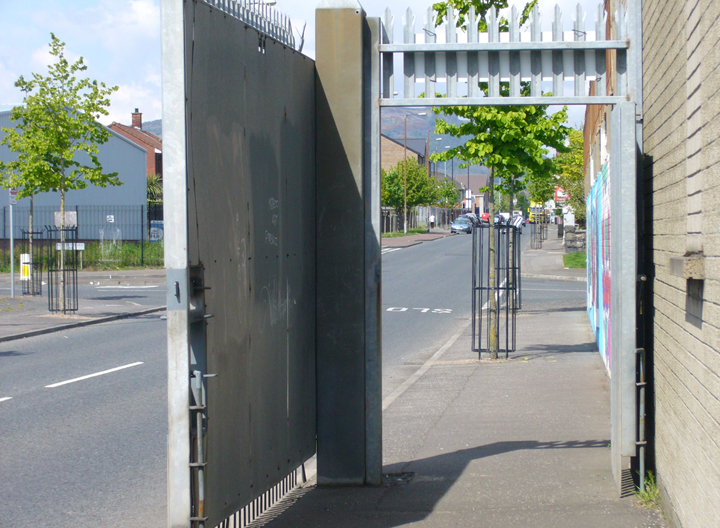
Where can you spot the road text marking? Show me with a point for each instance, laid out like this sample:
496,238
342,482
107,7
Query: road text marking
93,375
421,310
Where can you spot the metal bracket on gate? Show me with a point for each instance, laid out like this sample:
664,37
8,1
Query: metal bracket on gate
198,463
197,317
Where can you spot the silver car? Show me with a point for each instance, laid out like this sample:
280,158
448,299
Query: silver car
461,225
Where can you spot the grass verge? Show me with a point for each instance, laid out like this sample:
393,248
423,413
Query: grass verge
574,260
413,231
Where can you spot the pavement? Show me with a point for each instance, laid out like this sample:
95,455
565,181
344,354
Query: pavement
26,315
468,441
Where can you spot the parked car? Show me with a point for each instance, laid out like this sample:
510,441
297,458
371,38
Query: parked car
461,225
474,220
485,217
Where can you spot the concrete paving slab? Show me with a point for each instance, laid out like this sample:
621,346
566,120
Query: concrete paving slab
519,442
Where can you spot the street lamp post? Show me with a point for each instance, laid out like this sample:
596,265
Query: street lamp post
405,172
445,169
435,151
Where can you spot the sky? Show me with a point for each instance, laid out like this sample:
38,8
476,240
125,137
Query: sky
120,42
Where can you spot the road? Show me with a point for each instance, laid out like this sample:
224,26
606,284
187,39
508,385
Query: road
90,451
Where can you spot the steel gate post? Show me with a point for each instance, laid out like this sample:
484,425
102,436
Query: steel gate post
176,263
623,273
349,403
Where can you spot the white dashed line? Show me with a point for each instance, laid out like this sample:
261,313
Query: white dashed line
5,399
93,375
126,287
390,250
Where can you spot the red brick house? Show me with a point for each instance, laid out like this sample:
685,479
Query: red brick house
147,140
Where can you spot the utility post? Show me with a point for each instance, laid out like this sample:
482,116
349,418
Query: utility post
405,215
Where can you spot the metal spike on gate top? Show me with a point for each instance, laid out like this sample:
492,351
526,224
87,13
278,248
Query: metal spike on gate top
388,68
535,56
493,56
600,55
430,37
409,58
473,58
389,25
472,28
579,56
451,76
409,27
620,22
493,30
557,56
621,56
514,55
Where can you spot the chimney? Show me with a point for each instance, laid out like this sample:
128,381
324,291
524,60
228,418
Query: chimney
137,119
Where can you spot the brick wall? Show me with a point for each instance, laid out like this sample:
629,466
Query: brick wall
681,63
393,153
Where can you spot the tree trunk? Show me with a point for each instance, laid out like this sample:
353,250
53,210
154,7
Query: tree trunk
492,279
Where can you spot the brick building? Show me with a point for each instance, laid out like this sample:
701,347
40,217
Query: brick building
393,151
679,247
147,140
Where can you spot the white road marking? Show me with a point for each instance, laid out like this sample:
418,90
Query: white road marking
93,375
127,287
5,399
394,395
390,250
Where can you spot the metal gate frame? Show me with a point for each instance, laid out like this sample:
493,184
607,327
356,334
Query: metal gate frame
503,58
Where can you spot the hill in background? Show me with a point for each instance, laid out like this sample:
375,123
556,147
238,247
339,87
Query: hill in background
154,127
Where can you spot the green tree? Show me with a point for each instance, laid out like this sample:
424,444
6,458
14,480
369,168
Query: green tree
57,121
447,194
421,188
154,188
542,190
570,169
512,141
482,7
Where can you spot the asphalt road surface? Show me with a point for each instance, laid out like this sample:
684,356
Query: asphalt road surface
83,427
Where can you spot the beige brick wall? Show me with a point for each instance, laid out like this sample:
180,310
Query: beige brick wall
391,153
681,68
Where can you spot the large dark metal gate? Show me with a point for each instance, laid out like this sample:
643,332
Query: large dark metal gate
496,292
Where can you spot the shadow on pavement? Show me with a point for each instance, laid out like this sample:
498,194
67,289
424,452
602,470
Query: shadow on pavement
410,492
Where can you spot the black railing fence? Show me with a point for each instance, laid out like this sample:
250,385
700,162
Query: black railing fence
92,220
418,216
110,236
